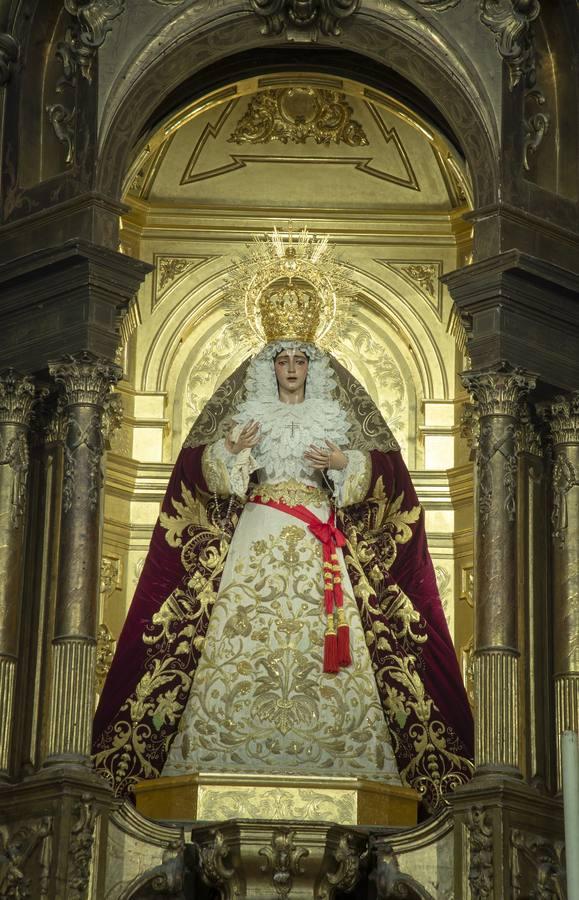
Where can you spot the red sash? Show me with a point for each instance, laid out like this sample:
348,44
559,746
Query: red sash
337,636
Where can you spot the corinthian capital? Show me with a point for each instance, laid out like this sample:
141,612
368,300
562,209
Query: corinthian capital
85,377
499,392
17,397
563,415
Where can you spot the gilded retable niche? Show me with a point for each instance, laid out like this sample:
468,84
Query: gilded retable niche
289,449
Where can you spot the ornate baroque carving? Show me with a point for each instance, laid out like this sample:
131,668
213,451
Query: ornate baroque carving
349,858
564,478
500,392
86,380
80,848
295,114
63,121
211,862
85,377
284,860
112,415
17,397
93,23
169,268
424,275
110,576
564,419
563,416
105,649
511,23
536,125
16,848
480,869
537,867
391,882
16,455
303,17
8,56
529,433
166,879
488,446
497,394
77,437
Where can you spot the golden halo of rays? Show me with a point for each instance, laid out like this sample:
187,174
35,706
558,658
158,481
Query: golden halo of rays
289,256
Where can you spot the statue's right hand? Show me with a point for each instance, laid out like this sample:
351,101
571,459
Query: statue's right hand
249,436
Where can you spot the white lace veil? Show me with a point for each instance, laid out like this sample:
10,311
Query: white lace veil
255,379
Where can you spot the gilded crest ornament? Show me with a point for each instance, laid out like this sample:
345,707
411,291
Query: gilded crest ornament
296,114
303,15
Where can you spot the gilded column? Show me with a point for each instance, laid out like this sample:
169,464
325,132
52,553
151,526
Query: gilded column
17,396
564,420
497,395
86,380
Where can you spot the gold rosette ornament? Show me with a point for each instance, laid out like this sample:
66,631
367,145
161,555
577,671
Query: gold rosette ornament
289,287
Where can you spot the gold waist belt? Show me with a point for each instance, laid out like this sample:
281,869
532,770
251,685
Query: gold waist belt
292,492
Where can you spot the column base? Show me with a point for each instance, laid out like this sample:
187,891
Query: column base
211,796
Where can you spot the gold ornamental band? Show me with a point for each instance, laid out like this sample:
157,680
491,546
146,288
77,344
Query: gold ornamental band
292,493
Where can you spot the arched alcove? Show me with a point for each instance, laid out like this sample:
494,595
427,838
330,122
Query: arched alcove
389,188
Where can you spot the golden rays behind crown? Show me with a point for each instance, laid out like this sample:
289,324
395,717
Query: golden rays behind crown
290,286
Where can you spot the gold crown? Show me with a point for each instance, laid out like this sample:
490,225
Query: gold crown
288,288
290,310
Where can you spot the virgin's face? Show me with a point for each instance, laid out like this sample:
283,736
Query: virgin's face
291,369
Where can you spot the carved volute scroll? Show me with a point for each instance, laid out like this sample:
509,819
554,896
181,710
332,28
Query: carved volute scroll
283,861
390,882
480,861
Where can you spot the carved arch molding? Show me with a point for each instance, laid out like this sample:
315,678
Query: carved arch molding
511,22
408,55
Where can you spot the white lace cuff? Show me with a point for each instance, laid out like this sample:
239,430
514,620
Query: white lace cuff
225,472
351,485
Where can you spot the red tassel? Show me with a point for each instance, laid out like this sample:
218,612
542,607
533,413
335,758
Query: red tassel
344,657
331,652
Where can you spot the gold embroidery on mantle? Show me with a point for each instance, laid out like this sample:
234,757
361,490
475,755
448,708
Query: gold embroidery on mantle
395,633
175,638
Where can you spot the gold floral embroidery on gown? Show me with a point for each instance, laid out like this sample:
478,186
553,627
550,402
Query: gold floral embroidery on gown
260,701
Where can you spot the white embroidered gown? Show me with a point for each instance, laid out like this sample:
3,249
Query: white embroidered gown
260,701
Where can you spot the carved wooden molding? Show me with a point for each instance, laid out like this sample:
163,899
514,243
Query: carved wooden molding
303,18
8,56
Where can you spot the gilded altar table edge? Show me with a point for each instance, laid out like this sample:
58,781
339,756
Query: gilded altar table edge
222,795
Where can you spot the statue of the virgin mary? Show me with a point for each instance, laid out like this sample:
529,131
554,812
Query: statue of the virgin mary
287,619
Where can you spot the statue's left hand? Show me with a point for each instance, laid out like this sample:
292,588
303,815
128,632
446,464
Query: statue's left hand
330,457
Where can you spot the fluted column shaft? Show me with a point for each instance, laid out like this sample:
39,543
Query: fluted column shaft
17,395
86,381
564,420
497,395
533,555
